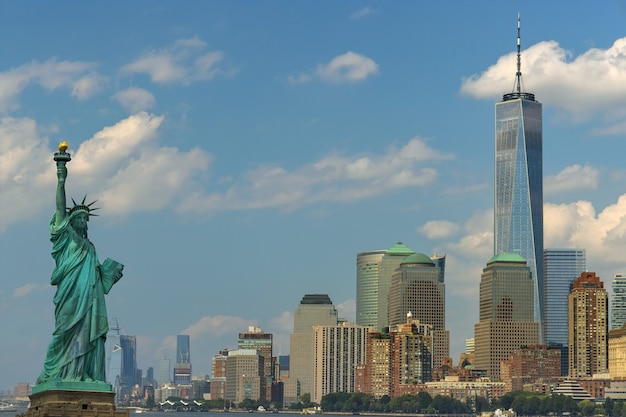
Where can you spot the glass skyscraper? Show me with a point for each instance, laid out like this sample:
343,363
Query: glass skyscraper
518,194
618,301
561,267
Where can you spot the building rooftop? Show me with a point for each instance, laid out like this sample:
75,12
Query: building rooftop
316,299
417,258
399,249
507,257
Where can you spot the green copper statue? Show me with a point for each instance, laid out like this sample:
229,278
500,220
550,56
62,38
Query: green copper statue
76,353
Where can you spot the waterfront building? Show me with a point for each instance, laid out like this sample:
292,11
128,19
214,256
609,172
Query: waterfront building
255,338
572,389
518,193
617,353
531,364
561,267
412,349
506,319
182,368
338,350
244,375
452,386
417,287
128,368
218,375
374,271
618,301
588,326
313,310
377,372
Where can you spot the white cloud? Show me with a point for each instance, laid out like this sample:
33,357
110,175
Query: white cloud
349,67
184,62
571,178
24,290
333,178
591,83
79,77
362,13
135,99
122,166
347,310
438,229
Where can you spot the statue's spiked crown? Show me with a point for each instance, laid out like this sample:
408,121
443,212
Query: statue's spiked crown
82,207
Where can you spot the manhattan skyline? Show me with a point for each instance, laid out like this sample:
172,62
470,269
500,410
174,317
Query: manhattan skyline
256,148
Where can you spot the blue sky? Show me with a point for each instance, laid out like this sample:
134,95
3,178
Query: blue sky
243,153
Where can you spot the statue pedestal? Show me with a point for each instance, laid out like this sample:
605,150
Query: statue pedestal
68,403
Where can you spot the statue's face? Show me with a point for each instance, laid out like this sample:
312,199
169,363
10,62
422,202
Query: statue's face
79,221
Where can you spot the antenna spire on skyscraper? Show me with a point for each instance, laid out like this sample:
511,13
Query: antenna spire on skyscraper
518,89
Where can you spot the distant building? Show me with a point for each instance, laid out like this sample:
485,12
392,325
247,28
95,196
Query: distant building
182,369
218,376
338,350
164,371
463,391
255,338
377,370
417,287
618,301
244,375
561,268
313,310
530,364
506,319
128,375
412,347
571,388
588,327
373,279
617,353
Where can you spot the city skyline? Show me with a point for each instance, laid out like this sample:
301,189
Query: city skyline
292,136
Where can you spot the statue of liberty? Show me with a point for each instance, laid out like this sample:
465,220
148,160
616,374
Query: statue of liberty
76,353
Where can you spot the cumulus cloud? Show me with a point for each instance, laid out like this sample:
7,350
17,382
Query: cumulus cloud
24,290
347,310
438,229
347,68
123,166
572,178
592,83
335,178
135,99
184,62
79,77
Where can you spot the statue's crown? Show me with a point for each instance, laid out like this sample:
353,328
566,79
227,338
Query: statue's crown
82,207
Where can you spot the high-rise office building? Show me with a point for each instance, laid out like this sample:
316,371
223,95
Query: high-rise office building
255,338
164,371
518,202
313,310
129,361
218,375
338,350
506,320
588,326
618,301
373,278
182,368
244,375
560,268
411,356
418,288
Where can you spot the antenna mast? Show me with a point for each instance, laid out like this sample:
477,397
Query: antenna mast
517,87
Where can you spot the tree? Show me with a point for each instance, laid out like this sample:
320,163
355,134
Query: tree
586,407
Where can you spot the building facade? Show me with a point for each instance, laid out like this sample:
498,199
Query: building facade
617,353
506,313
128,368
618,301
418,288
377,370
588,326
182,368
412,349
244,375
255,338
518,202
530,365
561,267
338,351
313,310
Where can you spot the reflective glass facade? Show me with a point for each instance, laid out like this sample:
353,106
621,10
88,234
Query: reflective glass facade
618,301
518,194
561,267
367,271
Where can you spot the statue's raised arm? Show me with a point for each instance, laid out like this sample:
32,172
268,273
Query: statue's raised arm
61,159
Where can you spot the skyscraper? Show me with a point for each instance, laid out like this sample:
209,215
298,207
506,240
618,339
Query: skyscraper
506,320
313,310
518,202
618,301
418,289
182,368
588,331
374,271
561,267
257,339
129,361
